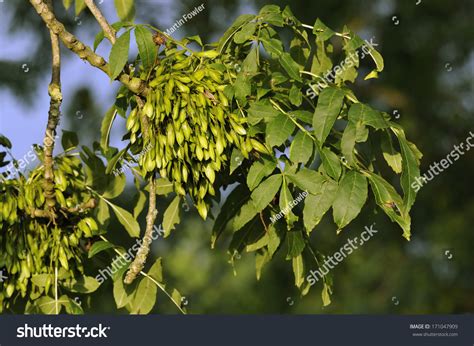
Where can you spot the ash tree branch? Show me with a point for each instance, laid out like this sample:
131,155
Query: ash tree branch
139,262
83,51
54,114
109,32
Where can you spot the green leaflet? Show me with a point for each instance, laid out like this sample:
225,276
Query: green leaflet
291,66
127,220
163,186
296,97
245,33
144,297
47,305
122,294
298,270
248,234
278,130
260,199
301,148
362,113
276,235
284,203
99,246
410,171
119,55
253,246
272,15
391,156
80,5
171,216
316,205
114,186
296,244
261,110
246,213
351,196
322,32
140,204
106,127
304,116
389,201
307,180
261,258
69,140
250,64
100,35
321,62
259,170
236,160
125,10
331,163
83,284
348,142
231,206
273,46
377,59
243,88
238,23
146,47
326,295
327,110
266,191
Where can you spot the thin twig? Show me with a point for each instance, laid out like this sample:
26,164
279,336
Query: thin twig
109,32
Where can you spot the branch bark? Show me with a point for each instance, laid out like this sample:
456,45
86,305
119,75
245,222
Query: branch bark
142,253
54,114
135,85
109,32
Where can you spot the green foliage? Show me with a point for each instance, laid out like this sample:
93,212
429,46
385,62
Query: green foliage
240,118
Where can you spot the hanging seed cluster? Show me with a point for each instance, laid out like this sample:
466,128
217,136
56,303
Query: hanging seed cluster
189,123
31,245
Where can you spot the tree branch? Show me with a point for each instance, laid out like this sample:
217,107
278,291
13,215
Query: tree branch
135,85
109,32
142,253
54,114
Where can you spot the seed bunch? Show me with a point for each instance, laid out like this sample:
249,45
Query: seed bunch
31,245
189,124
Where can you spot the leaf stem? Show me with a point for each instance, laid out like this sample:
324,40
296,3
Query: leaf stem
335,33
56,289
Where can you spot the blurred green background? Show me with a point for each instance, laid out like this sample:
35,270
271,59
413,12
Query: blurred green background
428,80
